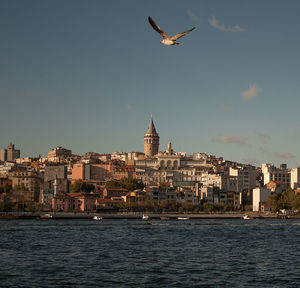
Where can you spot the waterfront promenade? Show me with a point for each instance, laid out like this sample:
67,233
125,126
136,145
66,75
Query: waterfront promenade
138,215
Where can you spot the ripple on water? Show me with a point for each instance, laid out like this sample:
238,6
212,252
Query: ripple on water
117,253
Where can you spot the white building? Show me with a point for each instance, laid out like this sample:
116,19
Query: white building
259,196
295,178
272,173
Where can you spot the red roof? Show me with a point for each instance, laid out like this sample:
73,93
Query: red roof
74,195
277,182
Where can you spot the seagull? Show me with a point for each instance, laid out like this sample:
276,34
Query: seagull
167,40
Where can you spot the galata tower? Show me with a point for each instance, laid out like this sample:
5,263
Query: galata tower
151,140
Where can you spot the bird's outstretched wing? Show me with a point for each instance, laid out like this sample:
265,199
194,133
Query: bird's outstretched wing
157,28
177,36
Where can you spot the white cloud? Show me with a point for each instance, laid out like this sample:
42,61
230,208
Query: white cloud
223,139
192,15
214,22
286,155
251,93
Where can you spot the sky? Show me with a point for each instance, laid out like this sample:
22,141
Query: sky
87,75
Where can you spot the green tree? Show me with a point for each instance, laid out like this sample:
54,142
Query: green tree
272,201
80,186
296,203
128,183
208,207
286,199
112,184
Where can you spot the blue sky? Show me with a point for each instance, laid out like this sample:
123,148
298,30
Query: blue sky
86,75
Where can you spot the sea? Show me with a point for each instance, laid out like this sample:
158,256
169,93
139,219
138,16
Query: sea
154,253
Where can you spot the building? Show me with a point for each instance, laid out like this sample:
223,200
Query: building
12,153
151,140
94,172
272,173
9,154
295,178
109,193
6,168
125,171
27,181
259,197
74,202
277,186
3,154
107,204
55,182
59,154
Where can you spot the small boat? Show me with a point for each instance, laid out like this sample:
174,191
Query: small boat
164,218
183,218
98,218
145,217
246,217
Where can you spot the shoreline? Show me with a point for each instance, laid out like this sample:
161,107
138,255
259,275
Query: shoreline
135,216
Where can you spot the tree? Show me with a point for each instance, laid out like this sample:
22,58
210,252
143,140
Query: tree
128,183
207,207
80,186
296,203
272,201
112,184
286,199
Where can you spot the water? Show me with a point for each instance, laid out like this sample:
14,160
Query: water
136,253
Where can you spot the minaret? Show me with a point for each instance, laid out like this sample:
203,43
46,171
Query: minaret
55,185
151,140
169,150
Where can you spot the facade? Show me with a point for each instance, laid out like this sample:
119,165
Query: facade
12,153
3,154
107,204
9,154
259,197
124,172
272,173
73,202
91,172
277,186
29,180
109,193
58,154
151,140
55,182
295,178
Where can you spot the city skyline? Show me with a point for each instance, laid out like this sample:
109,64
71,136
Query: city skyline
87,76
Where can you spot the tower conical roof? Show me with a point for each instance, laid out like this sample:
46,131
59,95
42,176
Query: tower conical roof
151,128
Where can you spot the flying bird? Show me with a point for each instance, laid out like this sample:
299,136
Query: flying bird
167,40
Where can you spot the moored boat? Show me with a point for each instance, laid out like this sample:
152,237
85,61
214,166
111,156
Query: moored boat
246,217
183,218
145,217
98,218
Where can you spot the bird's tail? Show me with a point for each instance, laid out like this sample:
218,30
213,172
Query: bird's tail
177,43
